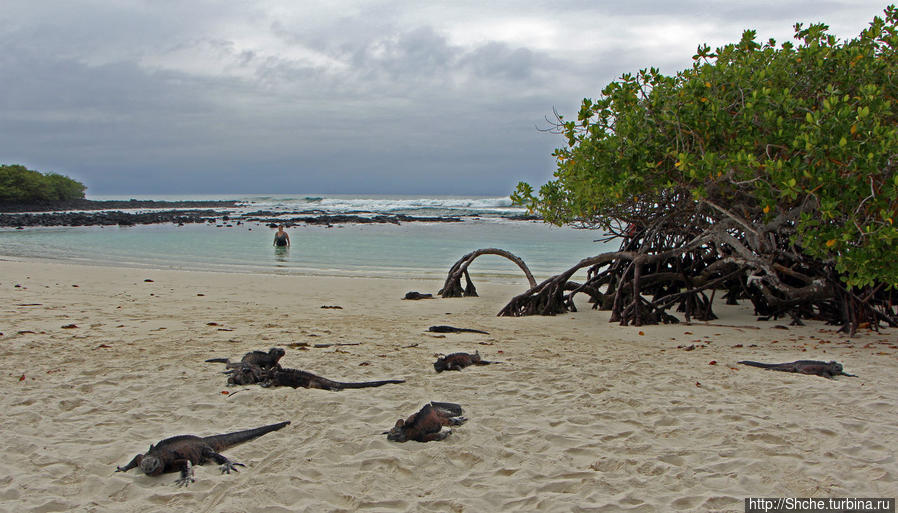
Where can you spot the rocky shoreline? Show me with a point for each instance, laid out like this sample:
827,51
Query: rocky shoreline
106,213
86,204
85,212
107,218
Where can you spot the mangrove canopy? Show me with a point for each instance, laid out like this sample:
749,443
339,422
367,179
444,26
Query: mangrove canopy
766,171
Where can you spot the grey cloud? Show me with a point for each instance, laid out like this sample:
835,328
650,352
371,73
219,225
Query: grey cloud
374,97
501,61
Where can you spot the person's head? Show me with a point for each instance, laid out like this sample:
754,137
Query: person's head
280,227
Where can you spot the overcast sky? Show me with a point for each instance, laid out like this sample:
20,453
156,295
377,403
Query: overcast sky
403,96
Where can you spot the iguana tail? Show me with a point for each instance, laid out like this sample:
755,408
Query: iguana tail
761,365
452,409
222,442
453,329
219,360
367,384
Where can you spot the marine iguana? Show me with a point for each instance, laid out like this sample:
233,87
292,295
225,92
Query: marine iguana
298,378
417,295
182,452
258,358
825,369
247,374
452,329
458,361
427,424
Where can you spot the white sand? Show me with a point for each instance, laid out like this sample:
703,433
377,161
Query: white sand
582,416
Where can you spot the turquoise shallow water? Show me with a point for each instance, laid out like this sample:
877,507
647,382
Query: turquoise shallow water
388,250
418,249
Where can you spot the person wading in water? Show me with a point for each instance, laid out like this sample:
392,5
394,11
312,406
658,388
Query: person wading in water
281,238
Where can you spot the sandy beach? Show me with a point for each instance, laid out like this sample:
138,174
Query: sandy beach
582,415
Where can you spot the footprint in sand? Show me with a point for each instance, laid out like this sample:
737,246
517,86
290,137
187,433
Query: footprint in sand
70,404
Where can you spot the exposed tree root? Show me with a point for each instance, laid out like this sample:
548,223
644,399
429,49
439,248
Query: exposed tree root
652,273
452,287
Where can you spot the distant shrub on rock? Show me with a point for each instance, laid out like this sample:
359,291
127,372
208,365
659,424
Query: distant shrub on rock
19,184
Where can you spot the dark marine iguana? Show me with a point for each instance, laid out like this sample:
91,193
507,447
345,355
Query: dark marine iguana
825,369
413,295
183,452
260,359
298,378
247,374
453,329
250,374
427,424
458,361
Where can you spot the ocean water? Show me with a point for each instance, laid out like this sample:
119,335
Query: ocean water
410,250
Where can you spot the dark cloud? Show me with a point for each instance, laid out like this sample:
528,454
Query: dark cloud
167,97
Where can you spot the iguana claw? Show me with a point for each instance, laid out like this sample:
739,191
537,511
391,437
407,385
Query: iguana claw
186,476
227,467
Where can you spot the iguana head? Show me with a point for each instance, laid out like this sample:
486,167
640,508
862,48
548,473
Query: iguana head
245,375
396,434
151,465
